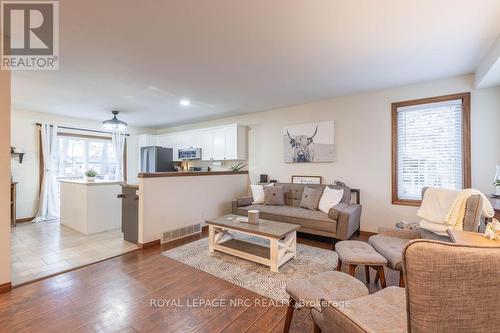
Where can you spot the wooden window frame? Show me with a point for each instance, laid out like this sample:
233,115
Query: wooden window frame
466,147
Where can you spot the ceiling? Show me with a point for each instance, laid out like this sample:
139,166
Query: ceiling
231,57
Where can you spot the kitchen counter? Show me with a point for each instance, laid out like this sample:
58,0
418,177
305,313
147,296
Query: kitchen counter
90,207
95,182
126,185
181,174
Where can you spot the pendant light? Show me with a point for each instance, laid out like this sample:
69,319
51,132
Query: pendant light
114,124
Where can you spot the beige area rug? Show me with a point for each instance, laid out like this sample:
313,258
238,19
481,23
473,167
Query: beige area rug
255,277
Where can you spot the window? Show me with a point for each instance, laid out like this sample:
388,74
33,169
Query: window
78,154
430,146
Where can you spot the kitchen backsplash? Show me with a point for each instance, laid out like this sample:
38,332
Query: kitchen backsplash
216,166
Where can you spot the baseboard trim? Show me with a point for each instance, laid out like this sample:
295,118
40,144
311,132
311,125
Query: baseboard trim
367,233
149,244
204,228
5,287
25,219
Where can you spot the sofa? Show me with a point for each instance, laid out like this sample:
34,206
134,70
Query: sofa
341,222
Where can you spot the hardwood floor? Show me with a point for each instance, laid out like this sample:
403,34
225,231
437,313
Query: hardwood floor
115,296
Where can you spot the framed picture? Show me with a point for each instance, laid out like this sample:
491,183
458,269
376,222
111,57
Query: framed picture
309,143
306,180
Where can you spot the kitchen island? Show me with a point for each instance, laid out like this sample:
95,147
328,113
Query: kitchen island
176,204
90,207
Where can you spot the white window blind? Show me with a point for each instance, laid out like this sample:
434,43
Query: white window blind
429,148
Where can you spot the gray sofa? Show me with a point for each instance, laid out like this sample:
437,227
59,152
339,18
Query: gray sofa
340,223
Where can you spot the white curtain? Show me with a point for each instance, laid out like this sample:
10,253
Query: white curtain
119,149
48,204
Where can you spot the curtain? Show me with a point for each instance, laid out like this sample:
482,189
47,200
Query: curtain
118,140
48,203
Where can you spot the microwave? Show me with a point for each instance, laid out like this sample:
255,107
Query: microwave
190,154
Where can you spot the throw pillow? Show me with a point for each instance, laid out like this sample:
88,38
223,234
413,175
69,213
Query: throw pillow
274,196
330,198
310,198
258,193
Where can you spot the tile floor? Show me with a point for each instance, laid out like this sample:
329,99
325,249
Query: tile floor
45,248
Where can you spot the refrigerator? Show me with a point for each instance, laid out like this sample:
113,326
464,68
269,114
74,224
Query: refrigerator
156,159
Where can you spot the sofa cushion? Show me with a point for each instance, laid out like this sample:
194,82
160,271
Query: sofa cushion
293,192
309,219
258,192
274,196
310,198
391,248
330,198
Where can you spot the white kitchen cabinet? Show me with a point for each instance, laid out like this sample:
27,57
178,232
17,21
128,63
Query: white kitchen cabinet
235,142
146,140
206,144
217,143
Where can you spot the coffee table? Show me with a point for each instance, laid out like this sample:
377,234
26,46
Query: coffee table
282,240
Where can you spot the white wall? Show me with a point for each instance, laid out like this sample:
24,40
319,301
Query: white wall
25,137
363,142
170,203
4,177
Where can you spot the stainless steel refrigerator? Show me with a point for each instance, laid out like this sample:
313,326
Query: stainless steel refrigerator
156,159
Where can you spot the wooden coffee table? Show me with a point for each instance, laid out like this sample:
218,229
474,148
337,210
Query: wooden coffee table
282,240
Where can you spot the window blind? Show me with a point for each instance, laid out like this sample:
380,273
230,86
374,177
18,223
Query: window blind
429,144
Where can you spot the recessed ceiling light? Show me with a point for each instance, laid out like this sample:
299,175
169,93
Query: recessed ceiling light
185,102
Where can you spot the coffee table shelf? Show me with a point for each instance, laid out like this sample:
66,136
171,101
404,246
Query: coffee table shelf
282,239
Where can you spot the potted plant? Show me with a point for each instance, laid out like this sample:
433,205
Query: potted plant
90,175
237,167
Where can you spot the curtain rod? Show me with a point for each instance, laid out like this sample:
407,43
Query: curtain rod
81,129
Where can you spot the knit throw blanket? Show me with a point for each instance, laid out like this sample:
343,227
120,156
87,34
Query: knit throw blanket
456,215
443,209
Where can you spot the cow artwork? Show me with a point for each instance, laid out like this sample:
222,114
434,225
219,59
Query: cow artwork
303,147
309,143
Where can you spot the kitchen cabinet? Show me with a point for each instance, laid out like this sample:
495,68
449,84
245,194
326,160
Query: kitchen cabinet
207,149
219,143
146,140
235,145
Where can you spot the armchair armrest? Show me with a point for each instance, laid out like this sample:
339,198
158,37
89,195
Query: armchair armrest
348,219
244,201
399,233
240,202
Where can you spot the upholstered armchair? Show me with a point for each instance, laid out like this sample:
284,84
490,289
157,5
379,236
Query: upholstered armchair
449,288
389,242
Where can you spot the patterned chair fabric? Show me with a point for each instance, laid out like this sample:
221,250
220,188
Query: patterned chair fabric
449,288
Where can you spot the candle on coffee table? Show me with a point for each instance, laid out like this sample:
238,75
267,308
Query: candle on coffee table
253,216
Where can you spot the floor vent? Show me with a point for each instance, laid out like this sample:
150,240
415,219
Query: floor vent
182,232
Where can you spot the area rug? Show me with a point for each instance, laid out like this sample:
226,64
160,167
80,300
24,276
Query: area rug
255,277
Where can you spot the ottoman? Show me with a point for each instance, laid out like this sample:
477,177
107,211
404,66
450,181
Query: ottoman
328,286
355,253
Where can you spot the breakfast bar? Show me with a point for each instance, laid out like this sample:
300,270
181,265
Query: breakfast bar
90,207
176,204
